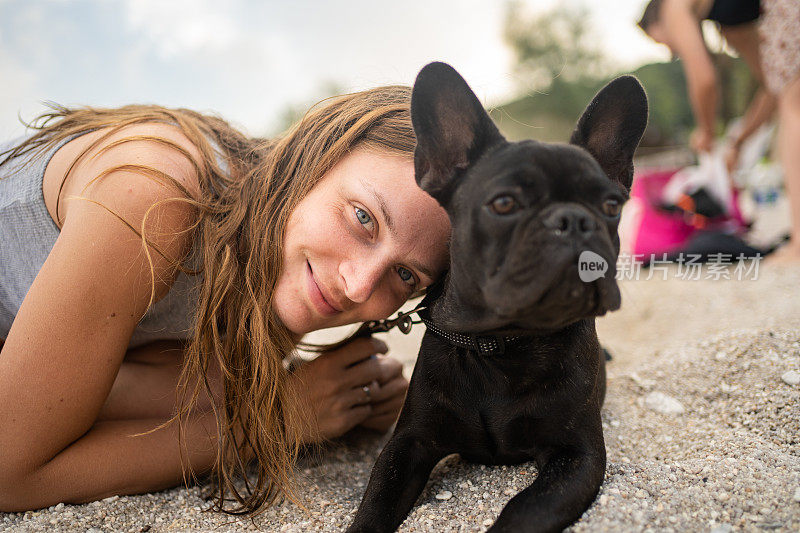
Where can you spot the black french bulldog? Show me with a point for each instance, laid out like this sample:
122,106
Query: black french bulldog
510,368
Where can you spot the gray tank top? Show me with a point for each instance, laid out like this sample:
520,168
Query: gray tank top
28,233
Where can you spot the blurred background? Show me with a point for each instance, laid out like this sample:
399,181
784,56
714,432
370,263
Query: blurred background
261,63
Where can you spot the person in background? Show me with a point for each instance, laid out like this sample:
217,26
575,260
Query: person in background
766,36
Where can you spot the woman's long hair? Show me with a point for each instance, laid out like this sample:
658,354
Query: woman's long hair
242,214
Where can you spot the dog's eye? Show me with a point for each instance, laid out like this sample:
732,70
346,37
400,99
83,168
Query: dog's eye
503,205
612,207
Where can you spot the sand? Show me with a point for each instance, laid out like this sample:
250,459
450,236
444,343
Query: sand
701,425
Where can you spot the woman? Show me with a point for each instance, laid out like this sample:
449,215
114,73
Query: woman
159,265
767,39
676,24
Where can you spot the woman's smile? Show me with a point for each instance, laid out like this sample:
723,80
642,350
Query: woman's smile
325,305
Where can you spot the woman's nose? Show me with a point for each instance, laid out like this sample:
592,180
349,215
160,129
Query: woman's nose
361,277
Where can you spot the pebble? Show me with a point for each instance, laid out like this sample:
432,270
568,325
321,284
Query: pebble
792,377
741,441
663,403
444,495
644,383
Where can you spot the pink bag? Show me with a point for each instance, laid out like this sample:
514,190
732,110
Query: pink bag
657,230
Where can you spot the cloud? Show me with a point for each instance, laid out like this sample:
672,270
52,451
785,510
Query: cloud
244,69
245,59
180,27
20,91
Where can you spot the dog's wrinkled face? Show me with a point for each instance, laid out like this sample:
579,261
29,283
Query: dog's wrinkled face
534,224
521,220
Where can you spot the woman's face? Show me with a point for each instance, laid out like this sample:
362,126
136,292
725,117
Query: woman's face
359,244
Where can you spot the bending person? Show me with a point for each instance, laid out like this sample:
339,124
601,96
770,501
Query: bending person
676,24
769,43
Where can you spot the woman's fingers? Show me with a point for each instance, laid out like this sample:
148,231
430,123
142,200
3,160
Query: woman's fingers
355,351
384,414
355,416
396,388
359,396
350,386
390,406
385,411
392,369
380,423
379,368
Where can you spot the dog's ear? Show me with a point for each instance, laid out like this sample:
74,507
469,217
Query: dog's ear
612,125
451,126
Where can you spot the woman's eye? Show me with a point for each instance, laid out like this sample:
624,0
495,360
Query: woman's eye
612,207
363,218
406,275
503,205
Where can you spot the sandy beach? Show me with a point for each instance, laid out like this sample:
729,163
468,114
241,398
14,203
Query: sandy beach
702,428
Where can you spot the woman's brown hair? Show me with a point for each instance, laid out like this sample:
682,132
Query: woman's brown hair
242,214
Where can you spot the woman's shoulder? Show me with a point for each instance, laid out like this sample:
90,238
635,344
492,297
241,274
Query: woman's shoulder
129,170
144,175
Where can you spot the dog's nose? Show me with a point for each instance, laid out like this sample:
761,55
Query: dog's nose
569,221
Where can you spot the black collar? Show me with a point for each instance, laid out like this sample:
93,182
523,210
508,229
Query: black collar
491,344
484,344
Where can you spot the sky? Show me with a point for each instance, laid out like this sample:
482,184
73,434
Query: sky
249,60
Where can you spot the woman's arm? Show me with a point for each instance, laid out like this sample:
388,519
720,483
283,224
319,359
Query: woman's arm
109,460
761,109
147,383
70,336
686,41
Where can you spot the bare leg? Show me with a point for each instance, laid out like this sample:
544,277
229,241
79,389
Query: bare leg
745,39
789,154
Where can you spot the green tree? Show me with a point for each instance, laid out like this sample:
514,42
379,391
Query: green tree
557,46
558,67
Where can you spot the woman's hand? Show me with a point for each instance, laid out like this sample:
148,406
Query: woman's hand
701,141
732,152
345,387
388,399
